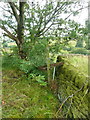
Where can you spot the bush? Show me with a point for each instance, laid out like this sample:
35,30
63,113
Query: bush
37,55
14,50
11,61
80,51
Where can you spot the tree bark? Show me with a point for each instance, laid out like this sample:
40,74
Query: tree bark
20,27
20,31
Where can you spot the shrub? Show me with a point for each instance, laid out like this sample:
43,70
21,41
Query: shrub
14,49
37,55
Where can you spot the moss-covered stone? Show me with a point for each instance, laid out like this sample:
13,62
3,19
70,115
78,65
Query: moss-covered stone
72,80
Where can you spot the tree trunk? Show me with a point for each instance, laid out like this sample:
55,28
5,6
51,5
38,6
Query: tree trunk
20,31
21,51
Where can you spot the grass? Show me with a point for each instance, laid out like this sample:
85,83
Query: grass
73,78
25,99
80,62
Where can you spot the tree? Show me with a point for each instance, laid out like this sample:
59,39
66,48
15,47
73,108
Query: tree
28,22
19,29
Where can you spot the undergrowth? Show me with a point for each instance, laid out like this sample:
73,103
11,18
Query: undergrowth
26,94
24,98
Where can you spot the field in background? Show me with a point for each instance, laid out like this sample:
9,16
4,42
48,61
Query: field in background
79,61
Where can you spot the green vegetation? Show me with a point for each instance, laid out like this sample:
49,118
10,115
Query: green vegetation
30,97
80,62
79,50
73,87
38,82
24,98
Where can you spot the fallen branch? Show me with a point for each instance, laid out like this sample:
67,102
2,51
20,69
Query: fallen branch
51,65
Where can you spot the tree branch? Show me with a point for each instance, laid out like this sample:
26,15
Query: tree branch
46,29
9,34
42,31
53,15
76,11
14,11
9,25
16,7
55,11
12,27
6,10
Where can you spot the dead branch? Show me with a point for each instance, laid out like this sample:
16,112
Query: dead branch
51,65
59,110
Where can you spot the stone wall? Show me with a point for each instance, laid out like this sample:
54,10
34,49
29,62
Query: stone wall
72,91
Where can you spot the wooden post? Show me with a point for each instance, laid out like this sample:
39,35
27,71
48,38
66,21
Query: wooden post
48,63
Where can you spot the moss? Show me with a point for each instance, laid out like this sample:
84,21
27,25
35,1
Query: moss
71,79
